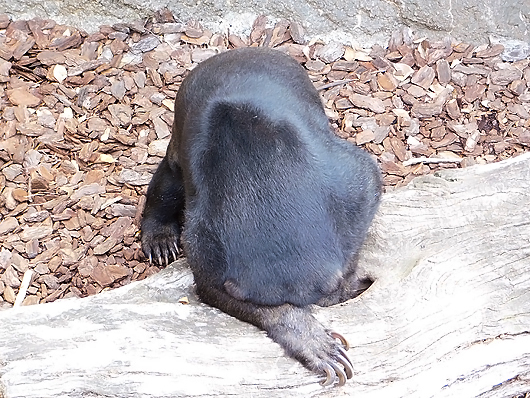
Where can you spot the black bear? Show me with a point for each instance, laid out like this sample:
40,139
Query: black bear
269,205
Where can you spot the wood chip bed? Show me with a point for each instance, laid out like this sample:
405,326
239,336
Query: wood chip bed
85,119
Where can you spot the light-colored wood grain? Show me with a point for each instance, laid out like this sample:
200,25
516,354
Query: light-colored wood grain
449,314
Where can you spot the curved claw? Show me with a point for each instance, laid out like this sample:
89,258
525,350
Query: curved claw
177,249
150,258
345,355
157,255
342,339
329,376
340,373
347,366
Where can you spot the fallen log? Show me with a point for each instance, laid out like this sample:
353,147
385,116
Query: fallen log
448,315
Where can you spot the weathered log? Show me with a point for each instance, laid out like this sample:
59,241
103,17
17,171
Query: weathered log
448,316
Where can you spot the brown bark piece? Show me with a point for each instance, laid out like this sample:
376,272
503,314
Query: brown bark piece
23,97
504,77
423,77
443,71
366,102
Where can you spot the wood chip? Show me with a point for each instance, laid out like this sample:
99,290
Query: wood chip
423,77
366,102
330,52
504,77
23,97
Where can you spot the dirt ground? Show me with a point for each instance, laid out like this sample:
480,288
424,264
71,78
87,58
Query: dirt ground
85,119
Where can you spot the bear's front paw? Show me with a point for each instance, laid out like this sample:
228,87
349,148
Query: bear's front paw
160,242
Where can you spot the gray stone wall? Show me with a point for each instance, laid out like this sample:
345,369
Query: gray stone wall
358,22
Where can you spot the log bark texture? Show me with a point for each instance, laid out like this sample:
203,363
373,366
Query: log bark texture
448,316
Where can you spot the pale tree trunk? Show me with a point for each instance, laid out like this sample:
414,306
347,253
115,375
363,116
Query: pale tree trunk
449,314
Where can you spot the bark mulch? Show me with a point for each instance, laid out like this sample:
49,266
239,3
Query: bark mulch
85,119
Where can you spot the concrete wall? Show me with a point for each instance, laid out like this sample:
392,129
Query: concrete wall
358,22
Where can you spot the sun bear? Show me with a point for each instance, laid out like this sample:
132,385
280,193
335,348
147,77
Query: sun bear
268,204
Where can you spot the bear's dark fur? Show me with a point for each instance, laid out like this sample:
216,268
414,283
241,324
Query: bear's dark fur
270,206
